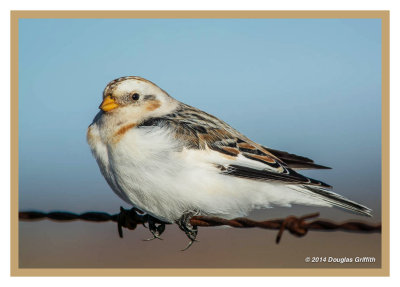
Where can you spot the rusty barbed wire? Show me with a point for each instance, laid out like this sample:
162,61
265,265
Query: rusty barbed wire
131,218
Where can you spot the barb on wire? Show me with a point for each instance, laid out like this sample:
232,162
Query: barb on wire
131,218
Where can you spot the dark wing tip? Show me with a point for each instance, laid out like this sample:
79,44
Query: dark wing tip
295,161
304,165
285,154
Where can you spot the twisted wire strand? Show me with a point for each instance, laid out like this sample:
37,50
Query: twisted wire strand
131,218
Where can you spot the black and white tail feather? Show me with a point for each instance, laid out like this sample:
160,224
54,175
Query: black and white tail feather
335,199
308,186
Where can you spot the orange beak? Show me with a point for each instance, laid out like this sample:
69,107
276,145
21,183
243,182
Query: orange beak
108,104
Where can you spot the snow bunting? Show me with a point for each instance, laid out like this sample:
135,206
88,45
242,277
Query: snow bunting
174,161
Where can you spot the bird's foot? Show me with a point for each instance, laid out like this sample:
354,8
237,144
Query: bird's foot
156,228
184,224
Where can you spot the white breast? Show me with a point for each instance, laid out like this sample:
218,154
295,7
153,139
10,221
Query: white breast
100,152
139,166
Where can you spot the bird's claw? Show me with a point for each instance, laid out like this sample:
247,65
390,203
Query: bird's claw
184,224
155,228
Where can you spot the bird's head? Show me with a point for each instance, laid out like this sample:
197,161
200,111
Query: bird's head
136,96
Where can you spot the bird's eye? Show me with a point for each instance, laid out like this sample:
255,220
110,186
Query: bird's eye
135,96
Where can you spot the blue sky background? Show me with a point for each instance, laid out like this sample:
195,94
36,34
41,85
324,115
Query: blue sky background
310,87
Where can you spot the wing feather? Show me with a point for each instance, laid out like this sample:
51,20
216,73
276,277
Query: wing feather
199,130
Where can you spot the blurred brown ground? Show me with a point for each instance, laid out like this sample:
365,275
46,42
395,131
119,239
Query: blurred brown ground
47,244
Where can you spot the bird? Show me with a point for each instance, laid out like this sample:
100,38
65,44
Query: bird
173,161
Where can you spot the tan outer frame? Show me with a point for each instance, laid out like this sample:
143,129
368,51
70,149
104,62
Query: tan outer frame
383,271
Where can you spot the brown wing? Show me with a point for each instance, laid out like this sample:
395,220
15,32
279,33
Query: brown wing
198,130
